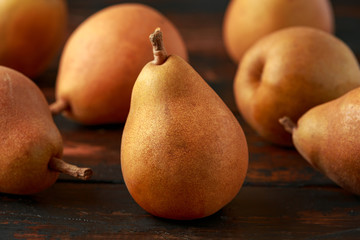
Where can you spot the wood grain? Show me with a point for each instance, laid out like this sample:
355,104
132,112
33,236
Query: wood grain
282,198
107,211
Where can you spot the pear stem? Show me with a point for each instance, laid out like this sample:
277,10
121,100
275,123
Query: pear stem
160,54
59,106
59,165
288,124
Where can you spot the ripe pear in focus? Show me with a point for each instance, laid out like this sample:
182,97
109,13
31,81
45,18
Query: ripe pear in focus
31,33
102,60
287,73
30,145
183,153
327,136
246,22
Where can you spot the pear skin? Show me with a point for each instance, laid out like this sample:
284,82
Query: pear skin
31,34
30,143
102,59
327,136
288,72
245,22
183,153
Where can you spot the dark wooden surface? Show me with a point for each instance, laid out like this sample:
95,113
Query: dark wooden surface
282,198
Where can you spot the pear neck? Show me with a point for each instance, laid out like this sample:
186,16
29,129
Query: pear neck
160,54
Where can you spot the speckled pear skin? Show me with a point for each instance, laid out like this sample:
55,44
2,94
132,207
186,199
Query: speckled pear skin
183,153
328,137
29,137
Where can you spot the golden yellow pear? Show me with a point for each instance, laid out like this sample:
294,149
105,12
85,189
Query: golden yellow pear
183,153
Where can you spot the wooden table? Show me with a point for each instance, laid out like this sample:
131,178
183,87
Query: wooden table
282,198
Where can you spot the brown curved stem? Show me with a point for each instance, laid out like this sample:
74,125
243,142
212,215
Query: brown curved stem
288,124
57,164
59,106
159,51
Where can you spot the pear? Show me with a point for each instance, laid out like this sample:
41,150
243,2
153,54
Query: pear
287,73
327,136
183,153
102,59
31,33
30,143
245,22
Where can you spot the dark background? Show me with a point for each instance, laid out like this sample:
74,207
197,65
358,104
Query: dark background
282,198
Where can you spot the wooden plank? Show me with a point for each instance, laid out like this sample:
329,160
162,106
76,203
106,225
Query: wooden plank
282,198
107,210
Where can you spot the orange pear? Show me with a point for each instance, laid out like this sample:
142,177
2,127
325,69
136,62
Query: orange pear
288,72
30,143
31,33
327,136
247,21
102,60
183,153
